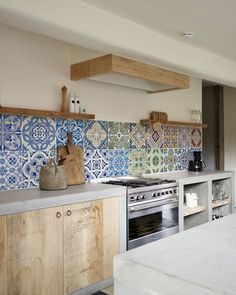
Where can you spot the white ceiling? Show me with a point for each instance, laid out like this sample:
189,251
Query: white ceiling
212,21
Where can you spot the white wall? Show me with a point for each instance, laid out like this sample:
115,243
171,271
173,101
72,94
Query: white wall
34,68
85,25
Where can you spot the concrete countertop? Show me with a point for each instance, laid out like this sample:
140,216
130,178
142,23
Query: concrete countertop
31,199
200,261
189,175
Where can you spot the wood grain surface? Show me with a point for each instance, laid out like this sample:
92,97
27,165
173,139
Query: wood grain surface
34,246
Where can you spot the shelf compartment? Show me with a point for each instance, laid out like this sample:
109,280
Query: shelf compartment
45,113
174,123
190,211
220,203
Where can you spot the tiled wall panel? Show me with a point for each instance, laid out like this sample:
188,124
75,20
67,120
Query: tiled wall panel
110,148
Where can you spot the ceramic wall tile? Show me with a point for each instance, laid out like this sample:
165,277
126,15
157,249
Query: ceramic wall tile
118,162
11,132
137,162
38,134
10,170
196,138
96,164
138,136
110,148
75,127
11,142
154,161
118,135
183,159
96,135
11,123
155,138
170,137
184,137
31,164
170,159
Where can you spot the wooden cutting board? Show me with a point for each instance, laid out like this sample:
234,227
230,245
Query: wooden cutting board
72,157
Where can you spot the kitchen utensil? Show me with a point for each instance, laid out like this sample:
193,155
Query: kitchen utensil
52,177
72,158
64,104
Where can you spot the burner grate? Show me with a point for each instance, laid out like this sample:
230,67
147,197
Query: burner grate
139,182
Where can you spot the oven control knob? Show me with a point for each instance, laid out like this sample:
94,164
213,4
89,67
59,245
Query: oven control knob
167,192
154,195
163,193
138,197
158,194
143,197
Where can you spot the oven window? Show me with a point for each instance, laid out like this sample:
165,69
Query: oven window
148,224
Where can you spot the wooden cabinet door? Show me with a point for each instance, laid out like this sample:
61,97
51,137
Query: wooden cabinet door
33,252
91,239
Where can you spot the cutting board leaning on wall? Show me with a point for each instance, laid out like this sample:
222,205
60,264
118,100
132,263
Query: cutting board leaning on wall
72,157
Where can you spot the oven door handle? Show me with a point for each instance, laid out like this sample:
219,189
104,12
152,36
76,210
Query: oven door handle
153,205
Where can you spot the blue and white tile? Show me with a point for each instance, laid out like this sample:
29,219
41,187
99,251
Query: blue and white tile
11,123
118,162
31,165
10,171
75,127
38,134
96,135
11,142
183,159
96,164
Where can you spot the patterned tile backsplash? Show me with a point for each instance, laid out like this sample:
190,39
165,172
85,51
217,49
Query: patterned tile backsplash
110,148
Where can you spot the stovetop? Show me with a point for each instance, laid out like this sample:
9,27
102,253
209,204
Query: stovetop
135,183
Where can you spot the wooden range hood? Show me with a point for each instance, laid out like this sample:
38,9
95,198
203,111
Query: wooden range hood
126,72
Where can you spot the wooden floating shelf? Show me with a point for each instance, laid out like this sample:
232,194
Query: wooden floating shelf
191,211
174,123
44,113
220,203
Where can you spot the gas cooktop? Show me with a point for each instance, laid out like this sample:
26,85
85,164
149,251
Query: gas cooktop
133,183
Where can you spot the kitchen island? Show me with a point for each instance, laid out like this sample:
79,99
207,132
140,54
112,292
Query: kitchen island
200,261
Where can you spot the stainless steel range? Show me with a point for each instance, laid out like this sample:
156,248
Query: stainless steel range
152,209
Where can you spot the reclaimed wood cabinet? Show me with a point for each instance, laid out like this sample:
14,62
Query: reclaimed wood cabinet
58,250
31,245
91,239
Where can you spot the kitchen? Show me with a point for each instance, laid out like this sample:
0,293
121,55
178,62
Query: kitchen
35,67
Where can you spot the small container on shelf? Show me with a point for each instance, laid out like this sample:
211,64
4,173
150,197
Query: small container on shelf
71,103
77,104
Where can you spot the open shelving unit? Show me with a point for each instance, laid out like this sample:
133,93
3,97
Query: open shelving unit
174,123
198,215
204,186
46,113
222,207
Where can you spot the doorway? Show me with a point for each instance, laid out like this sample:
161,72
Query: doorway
213,135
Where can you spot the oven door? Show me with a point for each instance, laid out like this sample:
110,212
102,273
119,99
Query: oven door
151,221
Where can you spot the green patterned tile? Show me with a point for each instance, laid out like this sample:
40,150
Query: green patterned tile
138,162
118,135
170,159
155,160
